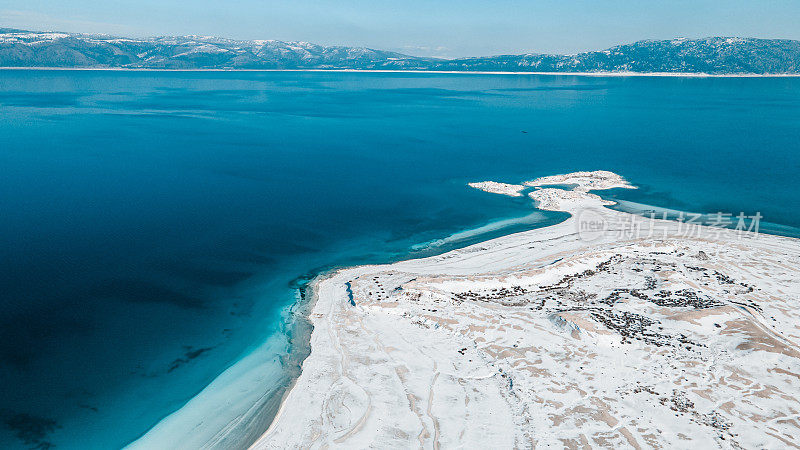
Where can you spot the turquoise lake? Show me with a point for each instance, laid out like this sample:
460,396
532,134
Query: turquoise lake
155,224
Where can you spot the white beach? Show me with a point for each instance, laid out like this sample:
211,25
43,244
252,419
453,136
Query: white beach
606,330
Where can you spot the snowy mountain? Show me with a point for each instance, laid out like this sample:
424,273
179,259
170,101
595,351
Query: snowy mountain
32,49
717,55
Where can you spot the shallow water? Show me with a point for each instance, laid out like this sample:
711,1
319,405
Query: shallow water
153,222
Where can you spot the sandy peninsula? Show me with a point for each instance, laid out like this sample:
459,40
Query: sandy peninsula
606,330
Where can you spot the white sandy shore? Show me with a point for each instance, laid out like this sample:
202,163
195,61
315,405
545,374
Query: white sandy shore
235,408
606,330
476,72
512,190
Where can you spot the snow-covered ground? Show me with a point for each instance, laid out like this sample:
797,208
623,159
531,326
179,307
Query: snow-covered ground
512,190
606,330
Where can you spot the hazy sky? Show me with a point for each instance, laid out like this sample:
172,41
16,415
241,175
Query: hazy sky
446,28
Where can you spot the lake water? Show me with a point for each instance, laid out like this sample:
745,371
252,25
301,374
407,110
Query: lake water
154,224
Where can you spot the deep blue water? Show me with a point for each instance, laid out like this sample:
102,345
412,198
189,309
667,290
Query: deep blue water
152,223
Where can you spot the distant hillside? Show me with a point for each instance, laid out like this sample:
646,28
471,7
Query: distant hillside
717,55
33,49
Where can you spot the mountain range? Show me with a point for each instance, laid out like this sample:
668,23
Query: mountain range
713,55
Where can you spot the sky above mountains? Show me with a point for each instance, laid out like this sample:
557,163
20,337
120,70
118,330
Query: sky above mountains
445,28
